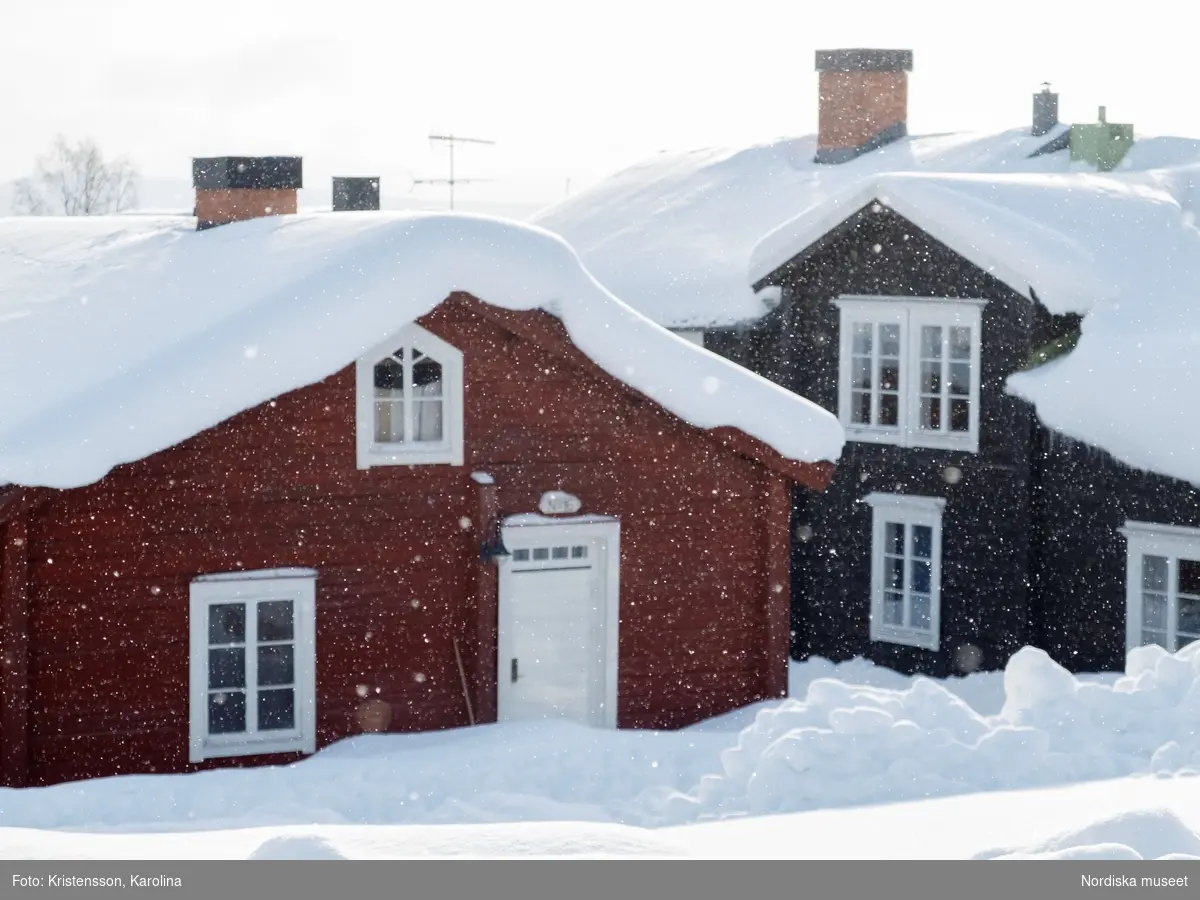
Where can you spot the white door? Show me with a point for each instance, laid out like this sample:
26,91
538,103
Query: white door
554,632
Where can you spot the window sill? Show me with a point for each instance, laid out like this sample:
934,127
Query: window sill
922,640
912,441
217,749
385,455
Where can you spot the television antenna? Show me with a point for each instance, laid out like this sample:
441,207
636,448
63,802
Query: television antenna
452,141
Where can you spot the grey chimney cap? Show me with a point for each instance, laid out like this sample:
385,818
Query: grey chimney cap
861,60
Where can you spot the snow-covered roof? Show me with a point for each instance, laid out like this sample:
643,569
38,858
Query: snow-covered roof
673,236
121,336
1123,250
1077,240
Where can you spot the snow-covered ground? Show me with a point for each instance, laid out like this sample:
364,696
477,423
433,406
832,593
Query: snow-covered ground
859,763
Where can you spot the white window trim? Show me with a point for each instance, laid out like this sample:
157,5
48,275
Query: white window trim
448,451
692,335
910,313
911,510
1151,539
603,534
297,585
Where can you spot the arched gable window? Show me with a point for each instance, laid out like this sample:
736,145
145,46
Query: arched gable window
410,402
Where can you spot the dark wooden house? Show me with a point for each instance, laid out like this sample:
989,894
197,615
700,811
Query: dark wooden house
958,528
473,522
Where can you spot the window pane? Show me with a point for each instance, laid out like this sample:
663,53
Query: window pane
922,542
860,373
860,408
931,377
1189,616
427,420
389,421
227,668
1189,577
579,552
889,409
275,620
960,415
960,379
919,608
541,553
389,374
960,343
921,577
1154,612
227,623
931,413
226,713
276,710
889,374
520,555
427,375
1154,573
275,665
862,338
893,574
559,553
889,340
893,538
893,609
931,342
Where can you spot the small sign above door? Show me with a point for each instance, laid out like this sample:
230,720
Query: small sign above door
559,503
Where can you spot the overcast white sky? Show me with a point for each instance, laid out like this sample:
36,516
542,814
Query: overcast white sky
566,89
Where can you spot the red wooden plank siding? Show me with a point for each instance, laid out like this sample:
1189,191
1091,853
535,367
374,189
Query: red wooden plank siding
777,536
14,655
397,551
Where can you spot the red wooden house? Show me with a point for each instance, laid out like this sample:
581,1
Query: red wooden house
499,507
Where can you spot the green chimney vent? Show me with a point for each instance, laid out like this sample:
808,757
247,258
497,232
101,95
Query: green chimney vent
1103,144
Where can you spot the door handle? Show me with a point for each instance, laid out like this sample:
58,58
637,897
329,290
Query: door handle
514,669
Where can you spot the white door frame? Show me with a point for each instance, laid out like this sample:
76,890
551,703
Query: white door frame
603,534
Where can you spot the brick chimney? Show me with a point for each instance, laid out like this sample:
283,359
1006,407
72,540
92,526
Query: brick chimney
864,101
234,188
355,194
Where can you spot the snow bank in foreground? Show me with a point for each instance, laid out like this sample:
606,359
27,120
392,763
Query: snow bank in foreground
178,330
1139,834
841,744
846,744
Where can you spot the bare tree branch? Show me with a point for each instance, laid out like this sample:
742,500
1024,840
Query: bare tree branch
76,180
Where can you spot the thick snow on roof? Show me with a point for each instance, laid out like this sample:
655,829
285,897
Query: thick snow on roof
1077,240
673,236
121,336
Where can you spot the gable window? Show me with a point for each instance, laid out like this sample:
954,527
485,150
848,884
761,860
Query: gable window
906,562
909,371
253,660
410,402
1162,585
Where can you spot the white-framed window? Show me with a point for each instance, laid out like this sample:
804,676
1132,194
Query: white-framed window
253,663
410,402
906,569
1162,585
909,371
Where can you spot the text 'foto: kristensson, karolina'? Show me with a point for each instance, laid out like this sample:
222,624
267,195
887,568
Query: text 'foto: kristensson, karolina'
1146,881
93,881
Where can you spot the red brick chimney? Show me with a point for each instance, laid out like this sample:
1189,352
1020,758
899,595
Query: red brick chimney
864,101
233,188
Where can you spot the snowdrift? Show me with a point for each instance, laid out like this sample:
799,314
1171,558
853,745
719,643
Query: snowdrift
840,744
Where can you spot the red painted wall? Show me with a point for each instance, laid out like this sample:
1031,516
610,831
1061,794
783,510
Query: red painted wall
277,486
